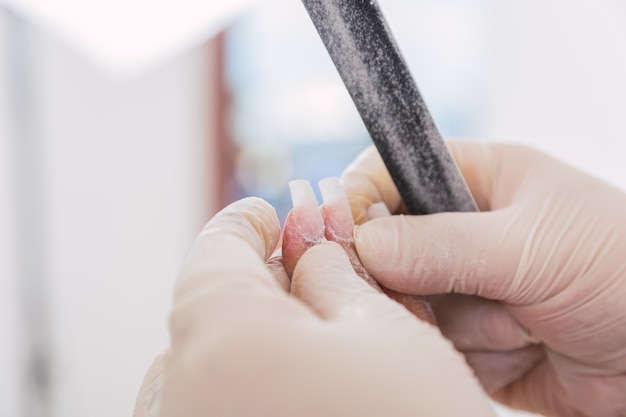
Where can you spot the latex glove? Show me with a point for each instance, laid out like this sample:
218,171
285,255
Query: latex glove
544,262
242,344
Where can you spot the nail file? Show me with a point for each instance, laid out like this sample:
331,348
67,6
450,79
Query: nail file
365,53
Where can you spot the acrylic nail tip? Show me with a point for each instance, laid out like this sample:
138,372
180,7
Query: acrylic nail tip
302,194
331,190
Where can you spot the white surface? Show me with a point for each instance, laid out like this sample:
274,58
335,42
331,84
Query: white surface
126,37
128,194
8,308
126,167
557,81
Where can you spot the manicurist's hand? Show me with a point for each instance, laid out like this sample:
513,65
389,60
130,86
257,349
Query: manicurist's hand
247,342
538,276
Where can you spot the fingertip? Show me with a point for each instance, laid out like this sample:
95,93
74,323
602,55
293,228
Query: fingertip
363,237
366,181
230,252
391,251
252,220
375,240
304,225
324,280
322,260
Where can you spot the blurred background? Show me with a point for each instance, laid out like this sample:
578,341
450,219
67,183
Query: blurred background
124,125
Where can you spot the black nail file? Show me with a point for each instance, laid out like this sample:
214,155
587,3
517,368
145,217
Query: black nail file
363,49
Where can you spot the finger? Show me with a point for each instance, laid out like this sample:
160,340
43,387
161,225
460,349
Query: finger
324,279
304,226
467,253
366,181
419,306
339,228
492,182
496,370
339,225
224,274
335,211
475,324
539,391
493,172
231,249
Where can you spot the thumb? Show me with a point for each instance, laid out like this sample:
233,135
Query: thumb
325,280
467,253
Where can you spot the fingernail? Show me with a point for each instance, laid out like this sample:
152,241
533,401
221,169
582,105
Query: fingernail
302,194
331,190
336,210
306,211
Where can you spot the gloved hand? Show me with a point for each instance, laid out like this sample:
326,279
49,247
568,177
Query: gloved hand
539,275
247,342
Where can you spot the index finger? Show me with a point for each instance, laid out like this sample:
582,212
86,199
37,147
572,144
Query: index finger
366,181
224,279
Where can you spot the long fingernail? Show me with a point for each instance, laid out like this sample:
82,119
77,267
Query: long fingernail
302,194
306,209
336,210
331,190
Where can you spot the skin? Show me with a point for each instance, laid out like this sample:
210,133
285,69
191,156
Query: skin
532,289
245,341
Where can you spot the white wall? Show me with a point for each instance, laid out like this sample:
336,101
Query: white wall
8,306
125,168
557,80
127,195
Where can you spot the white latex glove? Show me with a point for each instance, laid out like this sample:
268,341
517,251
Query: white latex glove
539,274
243,345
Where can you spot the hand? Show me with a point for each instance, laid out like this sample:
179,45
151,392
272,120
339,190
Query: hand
539,275
247,342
